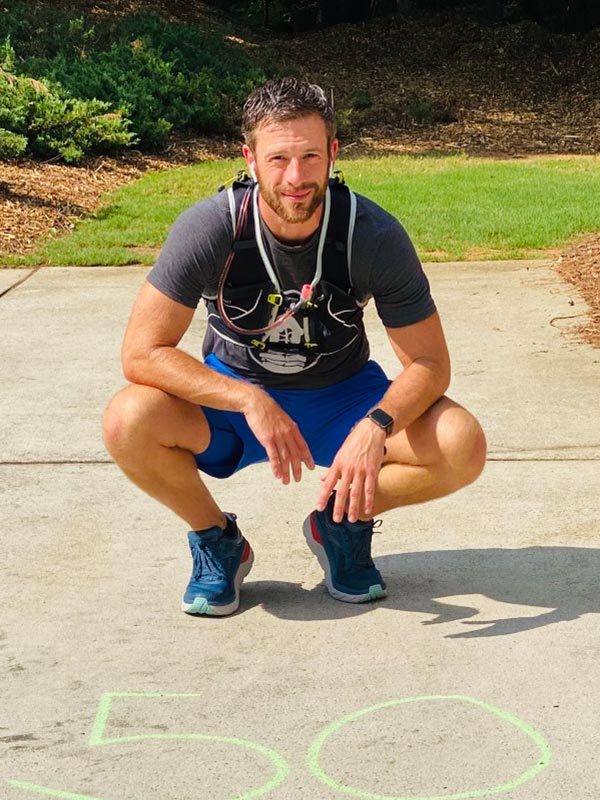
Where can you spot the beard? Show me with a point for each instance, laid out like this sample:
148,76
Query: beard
289,211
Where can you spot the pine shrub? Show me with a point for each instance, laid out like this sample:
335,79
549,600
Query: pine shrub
41,119
160,75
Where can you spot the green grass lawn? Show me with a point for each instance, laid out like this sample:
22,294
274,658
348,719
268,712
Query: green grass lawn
453,207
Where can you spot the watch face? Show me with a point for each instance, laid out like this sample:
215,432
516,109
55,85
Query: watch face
381,418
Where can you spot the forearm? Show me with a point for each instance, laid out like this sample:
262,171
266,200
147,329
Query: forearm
414,391
174,371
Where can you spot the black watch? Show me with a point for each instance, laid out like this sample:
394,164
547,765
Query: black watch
383,420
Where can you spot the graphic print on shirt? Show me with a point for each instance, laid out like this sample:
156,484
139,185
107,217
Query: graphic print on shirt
290,335
329,325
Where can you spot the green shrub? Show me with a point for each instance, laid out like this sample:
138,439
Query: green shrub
17,100
8,57
163,75
43,120
73,127
361,100
351,121
423,110
12,145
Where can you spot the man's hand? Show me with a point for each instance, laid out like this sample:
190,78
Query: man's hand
353,473
279,435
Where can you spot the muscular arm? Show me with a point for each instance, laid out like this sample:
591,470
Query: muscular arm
422,351
151,357
421,348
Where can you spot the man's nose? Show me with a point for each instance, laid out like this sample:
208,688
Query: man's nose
294,171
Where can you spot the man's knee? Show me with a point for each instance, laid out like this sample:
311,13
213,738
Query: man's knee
462,443
127,414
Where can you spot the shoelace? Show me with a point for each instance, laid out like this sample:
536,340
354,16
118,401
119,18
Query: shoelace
360,544
205,563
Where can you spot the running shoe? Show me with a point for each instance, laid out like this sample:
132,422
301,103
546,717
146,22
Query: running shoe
222,559
344,552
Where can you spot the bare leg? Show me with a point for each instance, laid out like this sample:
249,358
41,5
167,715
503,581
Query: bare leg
438,454
152,436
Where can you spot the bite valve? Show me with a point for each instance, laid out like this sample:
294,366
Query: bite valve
306,293
304,301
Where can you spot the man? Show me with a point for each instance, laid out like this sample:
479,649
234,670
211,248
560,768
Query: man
285,264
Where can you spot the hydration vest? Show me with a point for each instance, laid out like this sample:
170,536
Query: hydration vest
254,298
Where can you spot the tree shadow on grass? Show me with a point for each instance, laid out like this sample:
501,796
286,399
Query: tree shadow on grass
561,583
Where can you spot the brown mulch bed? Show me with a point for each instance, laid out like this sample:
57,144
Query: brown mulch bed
42,198
510,90
580,265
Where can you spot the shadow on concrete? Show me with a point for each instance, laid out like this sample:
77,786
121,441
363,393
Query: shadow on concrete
559,583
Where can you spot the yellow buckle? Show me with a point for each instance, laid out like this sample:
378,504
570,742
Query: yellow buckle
275,299
258,343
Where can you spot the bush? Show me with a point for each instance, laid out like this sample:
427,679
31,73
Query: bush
162,75
361,100
423,110
351,120
43,120
12,145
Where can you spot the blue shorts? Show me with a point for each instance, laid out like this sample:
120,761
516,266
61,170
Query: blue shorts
325,417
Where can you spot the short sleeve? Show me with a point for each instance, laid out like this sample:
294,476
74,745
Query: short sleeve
194,252
398,283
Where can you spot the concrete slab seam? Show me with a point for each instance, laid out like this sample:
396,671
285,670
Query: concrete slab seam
19,283
94,462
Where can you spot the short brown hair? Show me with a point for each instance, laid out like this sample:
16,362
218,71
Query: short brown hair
286,98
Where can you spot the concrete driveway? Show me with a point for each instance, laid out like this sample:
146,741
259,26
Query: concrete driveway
477,676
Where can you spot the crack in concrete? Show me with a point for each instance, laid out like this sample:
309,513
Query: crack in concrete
107,461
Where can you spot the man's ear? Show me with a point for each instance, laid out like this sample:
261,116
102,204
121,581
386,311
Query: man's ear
250,160
333,151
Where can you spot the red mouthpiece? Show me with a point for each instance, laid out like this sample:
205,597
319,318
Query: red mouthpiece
306,292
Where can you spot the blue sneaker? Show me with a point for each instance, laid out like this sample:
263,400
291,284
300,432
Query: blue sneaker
344,552
222,559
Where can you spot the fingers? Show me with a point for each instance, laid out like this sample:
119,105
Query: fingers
354,495
300,455
328,481
353,475
284,445
341,498
361,497
349,494
347,488
280,464
289,454
355,499
370,486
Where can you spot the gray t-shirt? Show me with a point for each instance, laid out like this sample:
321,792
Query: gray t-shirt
384,266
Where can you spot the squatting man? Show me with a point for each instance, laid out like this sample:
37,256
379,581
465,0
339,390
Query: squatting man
285,260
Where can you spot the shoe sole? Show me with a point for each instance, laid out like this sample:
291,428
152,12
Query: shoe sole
376,592
201,606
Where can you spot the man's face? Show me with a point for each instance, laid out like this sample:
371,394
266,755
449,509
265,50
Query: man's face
292,163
